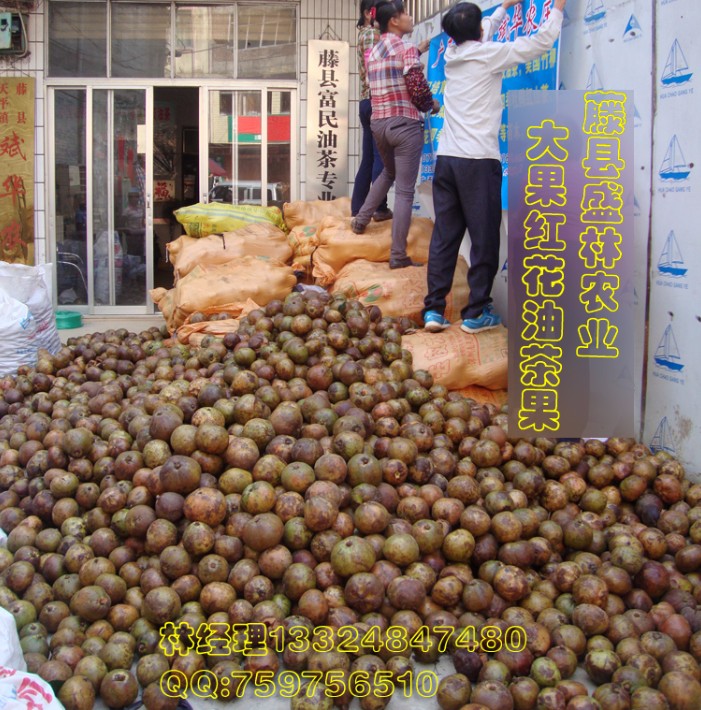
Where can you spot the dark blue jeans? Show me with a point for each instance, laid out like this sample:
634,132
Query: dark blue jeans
466,195
370,163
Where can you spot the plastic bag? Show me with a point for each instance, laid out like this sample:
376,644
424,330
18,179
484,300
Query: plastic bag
18,335
339,245
482,395
398,292
25,691
457,359
265,240
193,333
11,655
203,219
28,285
303,240
303,212
261,280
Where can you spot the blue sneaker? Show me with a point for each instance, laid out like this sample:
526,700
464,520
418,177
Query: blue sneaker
434,322
486,321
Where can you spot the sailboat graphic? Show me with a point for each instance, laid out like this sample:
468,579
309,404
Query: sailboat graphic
633,29
626,375
676,70
671,260
595,11
662,439
594,82
637,119
667,353
674,167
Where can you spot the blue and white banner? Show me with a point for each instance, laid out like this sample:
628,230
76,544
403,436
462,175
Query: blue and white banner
521,20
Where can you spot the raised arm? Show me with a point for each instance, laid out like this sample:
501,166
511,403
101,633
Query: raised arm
491,24
523,49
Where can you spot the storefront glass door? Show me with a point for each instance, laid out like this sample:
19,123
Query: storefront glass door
250,143
124,159
102,164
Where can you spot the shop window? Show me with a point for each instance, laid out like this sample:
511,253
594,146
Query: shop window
140,35
279,102
163,39
204,41
77,39
267,42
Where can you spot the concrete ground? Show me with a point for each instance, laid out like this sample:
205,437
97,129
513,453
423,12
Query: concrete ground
99,324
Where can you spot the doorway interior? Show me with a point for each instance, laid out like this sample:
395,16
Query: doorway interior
176,117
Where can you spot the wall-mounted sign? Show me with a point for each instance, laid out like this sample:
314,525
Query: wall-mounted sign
17,170
570,263
327,120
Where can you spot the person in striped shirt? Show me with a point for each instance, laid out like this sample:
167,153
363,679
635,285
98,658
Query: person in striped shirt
370,162
400,95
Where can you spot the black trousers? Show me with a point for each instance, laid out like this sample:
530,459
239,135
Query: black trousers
466,195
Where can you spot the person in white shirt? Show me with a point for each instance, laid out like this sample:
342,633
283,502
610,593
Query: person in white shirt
467,178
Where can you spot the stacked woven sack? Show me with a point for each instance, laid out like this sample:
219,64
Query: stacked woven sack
237,258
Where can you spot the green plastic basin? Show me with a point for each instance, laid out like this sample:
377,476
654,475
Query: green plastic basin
68,319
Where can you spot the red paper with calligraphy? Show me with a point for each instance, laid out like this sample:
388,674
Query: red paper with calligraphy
17,170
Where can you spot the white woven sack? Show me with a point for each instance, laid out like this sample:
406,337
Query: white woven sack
18,335
25,691
28,284
11,655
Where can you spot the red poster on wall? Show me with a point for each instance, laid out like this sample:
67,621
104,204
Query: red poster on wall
17,170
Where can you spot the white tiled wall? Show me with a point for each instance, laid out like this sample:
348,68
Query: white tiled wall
330,19
33,66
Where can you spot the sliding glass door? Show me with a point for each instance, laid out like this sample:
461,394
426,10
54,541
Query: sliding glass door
250,143
102,204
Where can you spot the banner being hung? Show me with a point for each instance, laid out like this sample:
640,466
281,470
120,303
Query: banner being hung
522,20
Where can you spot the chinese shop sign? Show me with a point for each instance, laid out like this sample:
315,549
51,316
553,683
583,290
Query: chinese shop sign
327,120
570,263
17,170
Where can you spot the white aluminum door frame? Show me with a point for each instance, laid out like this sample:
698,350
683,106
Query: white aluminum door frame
236,87
147,138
